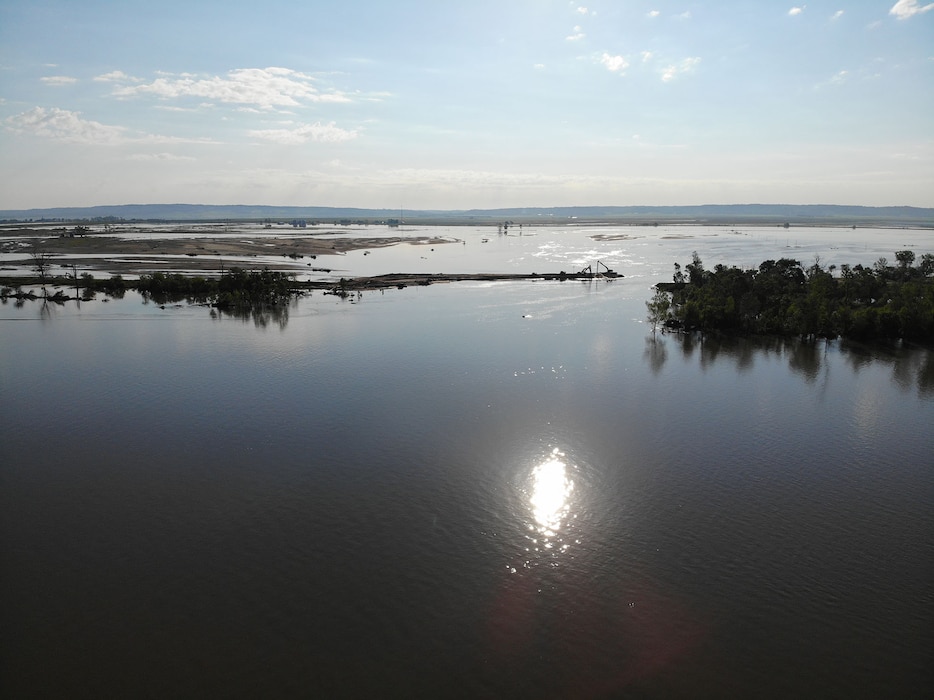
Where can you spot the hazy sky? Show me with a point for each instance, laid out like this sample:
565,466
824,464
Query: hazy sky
451,104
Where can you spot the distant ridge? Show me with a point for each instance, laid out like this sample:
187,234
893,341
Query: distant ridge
707,213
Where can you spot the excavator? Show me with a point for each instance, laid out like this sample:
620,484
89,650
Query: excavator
607,271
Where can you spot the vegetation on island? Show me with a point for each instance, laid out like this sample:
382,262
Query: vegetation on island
235,288
782,297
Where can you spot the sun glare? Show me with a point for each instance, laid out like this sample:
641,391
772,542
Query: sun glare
551,492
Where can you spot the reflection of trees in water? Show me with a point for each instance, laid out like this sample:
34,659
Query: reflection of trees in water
49,302
262,315
804,358
926,375
709,352
655,352
912,366
688,343
741,350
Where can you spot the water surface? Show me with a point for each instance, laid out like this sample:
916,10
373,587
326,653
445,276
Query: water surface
473,490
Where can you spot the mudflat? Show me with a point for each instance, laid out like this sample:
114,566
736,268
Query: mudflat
195,248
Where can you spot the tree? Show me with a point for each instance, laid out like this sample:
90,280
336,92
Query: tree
927,264
781,297
658,308
678,276
696,272
41,262
905,258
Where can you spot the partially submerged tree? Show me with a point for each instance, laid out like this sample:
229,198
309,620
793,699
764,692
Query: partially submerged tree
782,298
41,262
658,308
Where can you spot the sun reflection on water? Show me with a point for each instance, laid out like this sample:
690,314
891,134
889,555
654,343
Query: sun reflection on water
550,498
551,493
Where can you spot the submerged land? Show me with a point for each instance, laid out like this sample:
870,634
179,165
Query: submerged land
247,263
195,247
200,256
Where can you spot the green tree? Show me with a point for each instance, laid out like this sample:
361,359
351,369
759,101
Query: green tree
905,258
658,308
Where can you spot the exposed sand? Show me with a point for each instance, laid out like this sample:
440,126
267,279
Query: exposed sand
199,252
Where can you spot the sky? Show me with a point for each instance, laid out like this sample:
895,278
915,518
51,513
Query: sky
461,104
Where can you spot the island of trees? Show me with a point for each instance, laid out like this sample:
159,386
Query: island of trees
782,297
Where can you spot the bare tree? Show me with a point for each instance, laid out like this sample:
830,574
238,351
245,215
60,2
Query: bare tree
41,262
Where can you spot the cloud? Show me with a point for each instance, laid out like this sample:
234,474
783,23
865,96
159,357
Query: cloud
614,64
576,36
266,88
795,11
583,10
58,80
322,133
163,157
652,14
646,56
674,70
172,108
684,15
69,127
836,15
904,9
838,78
116,76
63,125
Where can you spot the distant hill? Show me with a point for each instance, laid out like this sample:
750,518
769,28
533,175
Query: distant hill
709,213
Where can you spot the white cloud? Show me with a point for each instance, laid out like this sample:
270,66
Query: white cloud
163,157
838,78
837,15
646,56
63,125
539,66
583,10
116,76
684,15
58,80
327,133
674,70
576,36
615,64
263,87
70,127
795,11
652,14
904,9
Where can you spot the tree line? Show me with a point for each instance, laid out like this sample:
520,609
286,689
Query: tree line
782,297
235,288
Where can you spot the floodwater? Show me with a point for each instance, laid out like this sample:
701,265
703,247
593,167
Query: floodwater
466,490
